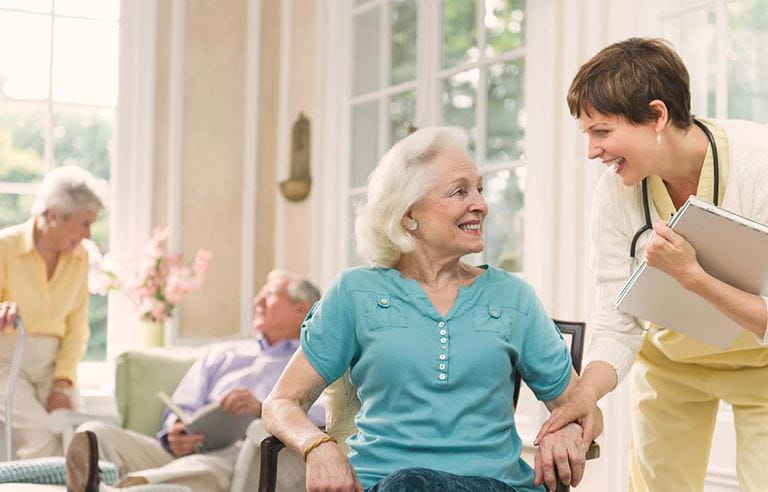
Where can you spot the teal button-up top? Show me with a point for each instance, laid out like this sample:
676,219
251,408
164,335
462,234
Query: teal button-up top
436,391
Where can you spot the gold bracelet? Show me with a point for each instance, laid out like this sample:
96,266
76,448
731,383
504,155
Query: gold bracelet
316,443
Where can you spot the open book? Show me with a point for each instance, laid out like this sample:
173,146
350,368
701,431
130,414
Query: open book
220,428
729,247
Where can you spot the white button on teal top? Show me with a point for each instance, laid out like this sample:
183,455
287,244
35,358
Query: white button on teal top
443,332
443,340
398,364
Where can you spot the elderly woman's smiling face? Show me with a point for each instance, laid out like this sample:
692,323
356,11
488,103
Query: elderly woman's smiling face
451,215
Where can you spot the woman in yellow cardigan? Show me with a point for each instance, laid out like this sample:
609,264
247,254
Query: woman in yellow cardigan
44,279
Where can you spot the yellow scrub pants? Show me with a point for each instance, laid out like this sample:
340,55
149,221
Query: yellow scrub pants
674,407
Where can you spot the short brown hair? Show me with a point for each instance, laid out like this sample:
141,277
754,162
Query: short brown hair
622,79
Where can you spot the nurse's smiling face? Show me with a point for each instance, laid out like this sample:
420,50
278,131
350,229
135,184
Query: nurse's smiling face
629,150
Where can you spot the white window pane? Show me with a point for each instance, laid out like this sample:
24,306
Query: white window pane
504,191
43,6
748,61
402,115
505,119
83,137
403,17
459,26
365,51
459,97
14,209
365,141
25,41
22,137
693,36
85,62
504,25
95,9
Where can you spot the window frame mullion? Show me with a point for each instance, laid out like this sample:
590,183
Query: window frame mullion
481,101
48,152
385,68
721,43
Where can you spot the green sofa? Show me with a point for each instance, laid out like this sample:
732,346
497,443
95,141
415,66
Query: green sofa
140,375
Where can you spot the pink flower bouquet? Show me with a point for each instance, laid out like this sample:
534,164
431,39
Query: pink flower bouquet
162,280
155,284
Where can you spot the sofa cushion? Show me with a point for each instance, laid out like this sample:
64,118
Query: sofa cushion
140,375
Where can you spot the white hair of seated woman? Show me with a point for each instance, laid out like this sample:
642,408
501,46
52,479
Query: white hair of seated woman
400,180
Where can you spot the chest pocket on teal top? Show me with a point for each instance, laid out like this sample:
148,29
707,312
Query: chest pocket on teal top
382,311
494,319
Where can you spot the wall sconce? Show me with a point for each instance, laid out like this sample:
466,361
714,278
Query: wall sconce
296,187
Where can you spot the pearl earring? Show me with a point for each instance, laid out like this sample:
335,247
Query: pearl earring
412,225
658,138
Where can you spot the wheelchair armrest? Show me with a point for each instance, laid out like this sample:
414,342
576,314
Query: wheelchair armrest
270,446
592,453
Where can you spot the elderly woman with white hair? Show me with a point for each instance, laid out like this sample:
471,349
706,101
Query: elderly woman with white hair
431,343
44,279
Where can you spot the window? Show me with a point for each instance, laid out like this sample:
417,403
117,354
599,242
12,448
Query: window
725,47
455,63
58,96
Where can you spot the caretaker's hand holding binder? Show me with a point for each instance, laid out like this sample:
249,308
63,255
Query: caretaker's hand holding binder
673,255
703,275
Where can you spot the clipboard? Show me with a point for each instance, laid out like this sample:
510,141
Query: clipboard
731,248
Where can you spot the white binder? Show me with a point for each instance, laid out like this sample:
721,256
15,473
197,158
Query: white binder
729,247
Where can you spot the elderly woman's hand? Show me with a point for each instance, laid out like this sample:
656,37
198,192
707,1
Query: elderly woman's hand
60,396
673,255
561,453
329,471
8,313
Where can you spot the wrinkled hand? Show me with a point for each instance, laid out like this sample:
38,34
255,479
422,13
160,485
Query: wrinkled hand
329,471
8,313
561,453
240,402
181,442
579,408
673,255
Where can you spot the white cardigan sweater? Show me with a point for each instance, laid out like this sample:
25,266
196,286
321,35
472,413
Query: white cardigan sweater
617,212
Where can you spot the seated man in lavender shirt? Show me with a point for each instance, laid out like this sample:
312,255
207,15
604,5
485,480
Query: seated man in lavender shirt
240,374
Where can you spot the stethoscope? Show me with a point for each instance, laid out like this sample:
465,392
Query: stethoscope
646,205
